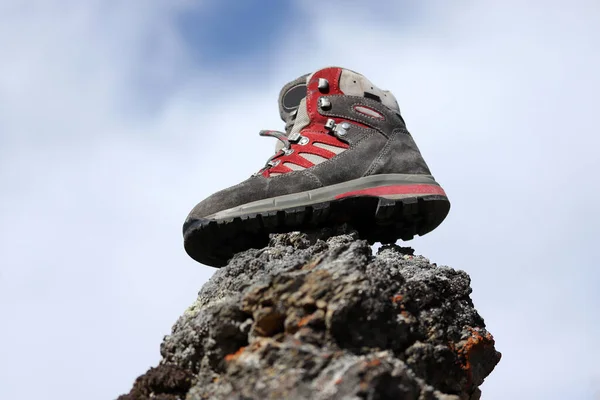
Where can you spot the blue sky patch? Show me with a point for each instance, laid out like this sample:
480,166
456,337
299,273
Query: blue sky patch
226,31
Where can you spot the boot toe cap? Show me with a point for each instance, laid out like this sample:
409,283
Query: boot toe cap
250,190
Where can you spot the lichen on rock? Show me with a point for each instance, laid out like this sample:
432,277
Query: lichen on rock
311,317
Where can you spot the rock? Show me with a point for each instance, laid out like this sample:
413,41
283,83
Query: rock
165,382
311,317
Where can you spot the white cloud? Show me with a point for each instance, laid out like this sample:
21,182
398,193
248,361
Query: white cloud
501,97
97,181
109,135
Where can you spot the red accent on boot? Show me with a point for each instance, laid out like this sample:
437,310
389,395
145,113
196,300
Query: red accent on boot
318,137
310,148
415,189
316,151
317,121
315,130
278,169
313,93
295,158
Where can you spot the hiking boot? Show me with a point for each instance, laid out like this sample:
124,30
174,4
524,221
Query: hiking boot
345,157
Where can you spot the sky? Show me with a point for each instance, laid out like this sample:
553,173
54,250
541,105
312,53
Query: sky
116,118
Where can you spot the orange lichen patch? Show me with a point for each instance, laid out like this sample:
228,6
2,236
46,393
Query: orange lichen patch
338,381
397,298
471,348
231,357
305,320
474,343
374,363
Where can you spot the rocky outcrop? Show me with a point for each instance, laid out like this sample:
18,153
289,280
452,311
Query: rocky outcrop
307,318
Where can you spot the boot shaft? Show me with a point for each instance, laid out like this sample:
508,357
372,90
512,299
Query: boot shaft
316,105
290,97
350,83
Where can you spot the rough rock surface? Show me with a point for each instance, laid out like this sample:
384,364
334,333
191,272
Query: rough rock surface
306,318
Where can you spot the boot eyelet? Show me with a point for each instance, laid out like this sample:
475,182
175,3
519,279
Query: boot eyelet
330,124
304,141
274,163
288,152
324,103
323,85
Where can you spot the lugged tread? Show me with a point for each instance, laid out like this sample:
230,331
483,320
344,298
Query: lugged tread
376,219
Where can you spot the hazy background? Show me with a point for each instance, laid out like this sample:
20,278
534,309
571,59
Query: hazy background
117,117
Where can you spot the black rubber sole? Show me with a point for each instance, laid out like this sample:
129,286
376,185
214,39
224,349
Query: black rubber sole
376,219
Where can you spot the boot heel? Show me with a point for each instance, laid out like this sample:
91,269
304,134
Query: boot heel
404,218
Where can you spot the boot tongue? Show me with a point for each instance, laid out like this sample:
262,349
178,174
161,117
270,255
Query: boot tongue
289,100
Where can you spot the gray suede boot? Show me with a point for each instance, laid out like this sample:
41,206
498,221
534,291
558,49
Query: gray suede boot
346,157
